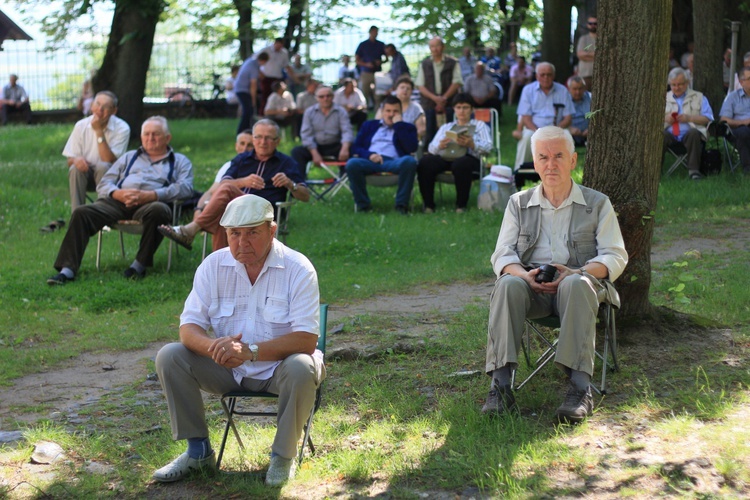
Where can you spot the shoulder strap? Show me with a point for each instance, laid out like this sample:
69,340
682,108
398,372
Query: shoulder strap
127,170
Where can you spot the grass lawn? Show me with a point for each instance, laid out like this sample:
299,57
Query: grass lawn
395,420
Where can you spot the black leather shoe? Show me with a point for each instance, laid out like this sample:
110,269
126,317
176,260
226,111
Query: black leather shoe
577,406
500,400
402,210
58,279
131,274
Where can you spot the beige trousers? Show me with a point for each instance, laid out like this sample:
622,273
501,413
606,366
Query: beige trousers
183,374
576,303
81,182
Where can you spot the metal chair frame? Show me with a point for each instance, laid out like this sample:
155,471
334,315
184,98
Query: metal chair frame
532,331
680,157
323,189
136,227
229,402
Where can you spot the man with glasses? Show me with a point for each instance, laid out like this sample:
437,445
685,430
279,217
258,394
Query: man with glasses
736,112
264,171
685,119
325,132
585,52
96,143
543,102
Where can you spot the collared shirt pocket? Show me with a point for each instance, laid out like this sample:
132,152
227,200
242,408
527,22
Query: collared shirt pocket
275,317
222,315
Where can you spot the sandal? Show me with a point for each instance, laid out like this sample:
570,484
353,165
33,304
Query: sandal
53,226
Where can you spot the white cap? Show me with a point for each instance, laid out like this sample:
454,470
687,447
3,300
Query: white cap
247,211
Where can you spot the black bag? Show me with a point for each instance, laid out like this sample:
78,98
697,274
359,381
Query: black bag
711,157
711,162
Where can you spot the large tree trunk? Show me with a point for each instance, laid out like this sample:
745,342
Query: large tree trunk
512,27
624,155
556,37
470,23
293,31
128,55
245,31
708,34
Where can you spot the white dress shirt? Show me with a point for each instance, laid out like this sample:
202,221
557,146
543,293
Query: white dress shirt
83,140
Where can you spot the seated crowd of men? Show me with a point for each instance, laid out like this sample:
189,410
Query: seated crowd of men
261,298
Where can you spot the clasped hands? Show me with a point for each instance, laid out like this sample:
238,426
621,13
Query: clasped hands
551,287
134,197
255,181
229,351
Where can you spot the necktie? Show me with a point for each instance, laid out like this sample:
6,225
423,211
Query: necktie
675,126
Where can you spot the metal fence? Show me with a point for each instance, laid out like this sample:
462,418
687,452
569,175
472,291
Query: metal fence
54,78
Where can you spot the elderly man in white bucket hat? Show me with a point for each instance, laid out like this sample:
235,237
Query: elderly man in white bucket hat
261,299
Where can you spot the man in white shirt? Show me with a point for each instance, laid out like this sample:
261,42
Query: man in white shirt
273,69
349,97
574,229
96,142
14,99
274,350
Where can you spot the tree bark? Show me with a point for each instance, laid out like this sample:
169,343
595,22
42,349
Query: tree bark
245,32
470,22
293,31
126,61
556,37
708,23
512,27
624,155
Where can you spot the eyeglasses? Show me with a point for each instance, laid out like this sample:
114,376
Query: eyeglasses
592,24
325,96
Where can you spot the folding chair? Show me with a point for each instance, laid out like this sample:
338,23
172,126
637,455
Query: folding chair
492,118
533,335
678,151
136,227
718,128
325,188
283,209
229,402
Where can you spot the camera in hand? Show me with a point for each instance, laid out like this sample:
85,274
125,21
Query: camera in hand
546,273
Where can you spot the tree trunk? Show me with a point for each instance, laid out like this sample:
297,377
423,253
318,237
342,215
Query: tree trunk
470,22
293,31
245,32
624,155
125,65
708,27
556,37
512,27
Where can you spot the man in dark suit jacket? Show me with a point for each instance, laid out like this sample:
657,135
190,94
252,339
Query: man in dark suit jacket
384,145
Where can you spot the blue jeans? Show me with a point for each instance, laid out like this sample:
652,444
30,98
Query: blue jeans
246,102
358,168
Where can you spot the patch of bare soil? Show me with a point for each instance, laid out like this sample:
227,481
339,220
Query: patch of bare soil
622,440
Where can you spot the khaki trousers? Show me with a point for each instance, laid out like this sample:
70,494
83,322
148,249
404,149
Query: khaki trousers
576,303
183,374
80,182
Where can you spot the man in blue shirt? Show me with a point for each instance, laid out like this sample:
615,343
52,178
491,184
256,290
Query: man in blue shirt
543,102
384,146
579,126
686,116
369,59
736,112
246,87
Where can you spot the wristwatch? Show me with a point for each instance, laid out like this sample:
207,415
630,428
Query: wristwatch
294,186
100,139
254,350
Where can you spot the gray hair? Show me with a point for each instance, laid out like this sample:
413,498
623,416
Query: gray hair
545,63
270,123
576,79
157,119
552,133
109,94
675,72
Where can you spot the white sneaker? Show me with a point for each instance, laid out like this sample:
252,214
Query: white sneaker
280,471
182,466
